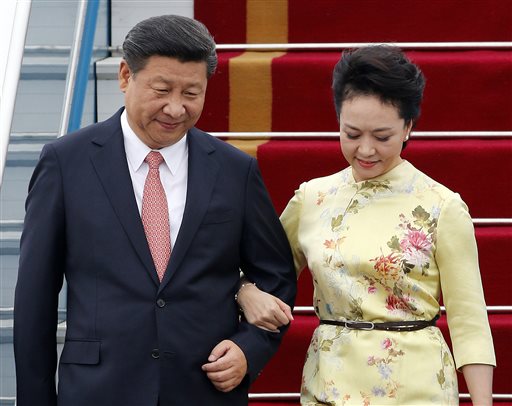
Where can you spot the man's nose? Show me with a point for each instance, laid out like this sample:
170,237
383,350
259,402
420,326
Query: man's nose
174,107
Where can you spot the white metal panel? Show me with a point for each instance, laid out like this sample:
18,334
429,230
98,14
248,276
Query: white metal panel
127,13
14,17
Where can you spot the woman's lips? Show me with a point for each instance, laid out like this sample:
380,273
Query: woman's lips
367,164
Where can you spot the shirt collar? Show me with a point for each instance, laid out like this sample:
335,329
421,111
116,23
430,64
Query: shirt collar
136,150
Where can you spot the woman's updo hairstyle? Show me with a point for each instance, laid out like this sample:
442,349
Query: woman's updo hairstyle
383,71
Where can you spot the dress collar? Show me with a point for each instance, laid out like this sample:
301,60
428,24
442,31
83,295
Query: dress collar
396,174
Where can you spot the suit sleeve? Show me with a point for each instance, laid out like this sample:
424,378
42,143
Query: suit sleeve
266,259
40,276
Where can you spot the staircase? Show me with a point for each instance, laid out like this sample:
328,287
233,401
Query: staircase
271,97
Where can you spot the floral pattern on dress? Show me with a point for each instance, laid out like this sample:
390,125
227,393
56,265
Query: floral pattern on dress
388,386
445,373
411,249
363,195
415,243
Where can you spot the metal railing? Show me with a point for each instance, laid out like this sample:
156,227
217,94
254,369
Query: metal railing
117,49
15,15
335,134
344,45
78,68
310,310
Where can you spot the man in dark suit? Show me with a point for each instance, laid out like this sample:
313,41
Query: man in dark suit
149,220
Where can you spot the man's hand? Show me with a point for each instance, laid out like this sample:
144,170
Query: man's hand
226,366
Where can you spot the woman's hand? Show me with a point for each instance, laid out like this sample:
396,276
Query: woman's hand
262,309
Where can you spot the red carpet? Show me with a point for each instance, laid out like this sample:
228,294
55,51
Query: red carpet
370,20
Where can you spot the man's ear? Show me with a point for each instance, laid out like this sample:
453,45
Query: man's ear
124,75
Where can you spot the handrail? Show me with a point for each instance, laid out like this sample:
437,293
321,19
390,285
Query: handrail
13,33
305,46
78,69
336,134
477,221
344,45
305,310
84,62
72,69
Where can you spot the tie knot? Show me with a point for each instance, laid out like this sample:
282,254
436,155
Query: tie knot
154,159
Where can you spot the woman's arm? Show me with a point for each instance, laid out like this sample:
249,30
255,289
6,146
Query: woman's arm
262,309
479,381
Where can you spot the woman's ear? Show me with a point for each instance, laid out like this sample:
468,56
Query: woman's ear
408,130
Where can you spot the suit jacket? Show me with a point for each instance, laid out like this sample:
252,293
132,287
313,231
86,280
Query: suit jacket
131,340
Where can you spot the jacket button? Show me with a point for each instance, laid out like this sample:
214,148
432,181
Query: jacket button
160,302
155,353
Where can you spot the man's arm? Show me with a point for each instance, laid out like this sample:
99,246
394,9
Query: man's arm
40,277
267,261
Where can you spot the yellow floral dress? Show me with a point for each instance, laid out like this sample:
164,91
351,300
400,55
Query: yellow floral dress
381,250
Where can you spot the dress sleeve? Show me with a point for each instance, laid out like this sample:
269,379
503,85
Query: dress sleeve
291,219
463,296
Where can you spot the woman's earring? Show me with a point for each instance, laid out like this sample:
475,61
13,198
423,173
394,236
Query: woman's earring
406,138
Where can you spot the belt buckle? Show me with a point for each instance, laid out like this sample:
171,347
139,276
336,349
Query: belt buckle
371,325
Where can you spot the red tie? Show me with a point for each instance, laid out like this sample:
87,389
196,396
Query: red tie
155,215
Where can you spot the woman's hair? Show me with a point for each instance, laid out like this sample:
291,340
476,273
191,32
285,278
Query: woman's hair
174,36
382,71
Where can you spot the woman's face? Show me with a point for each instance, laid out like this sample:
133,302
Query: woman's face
371,136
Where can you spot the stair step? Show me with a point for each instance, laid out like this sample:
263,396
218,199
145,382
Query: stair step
288,362
7,401
463,108
23,154
292,399
36,137
319,21
278,159
14,191
11,225
10,242
41,93
8,276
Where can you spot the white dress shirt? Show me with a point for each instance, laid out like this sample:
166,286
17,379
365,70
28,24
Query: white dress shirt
173,173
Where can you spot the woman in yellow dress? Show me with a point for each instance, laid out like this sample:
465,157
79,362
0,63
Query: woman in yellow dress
382,241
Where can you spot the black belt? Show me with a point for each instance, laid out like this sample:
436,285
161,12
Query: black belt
387,326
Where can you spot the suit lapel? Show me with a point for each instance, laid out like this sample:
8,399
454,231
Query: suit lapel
110,163
202,174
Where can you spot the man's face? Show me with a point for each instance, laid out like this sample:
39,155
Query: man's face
164,99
